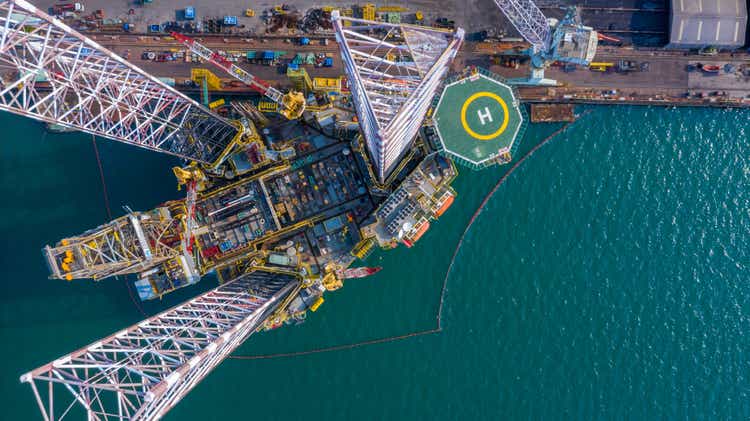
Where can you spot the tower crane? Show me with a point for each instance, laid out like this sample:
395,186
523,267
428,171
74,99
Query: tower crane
568,41
292,103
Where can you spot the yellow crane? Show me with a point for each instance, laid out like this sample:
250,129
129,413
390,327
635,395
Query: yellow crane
291,104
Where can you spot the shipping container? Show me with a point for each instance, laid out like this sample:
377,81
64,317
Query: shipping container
168,80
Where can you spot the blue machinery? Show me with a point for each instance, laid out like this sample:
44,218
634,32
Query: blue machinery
567,41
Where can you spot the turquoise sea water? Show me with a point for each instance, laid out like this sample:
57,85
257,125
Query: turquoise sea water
606,279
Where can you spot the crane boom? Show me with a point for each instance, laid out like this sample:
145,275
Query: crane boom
292,104
529,21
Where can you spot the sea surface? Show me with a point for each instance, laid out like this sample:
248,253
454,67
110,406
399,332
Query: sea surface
608,278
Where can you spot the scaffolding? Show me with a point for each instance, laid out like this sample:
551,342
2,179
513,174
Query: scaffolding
143,371
394,71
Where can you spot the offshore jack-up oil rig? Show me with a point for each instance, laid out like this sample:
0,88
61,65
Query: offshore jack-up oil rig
278,210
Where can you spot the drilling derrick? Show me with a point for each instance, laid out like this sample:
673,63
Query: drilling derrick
394,72
129,244
143,371
60,76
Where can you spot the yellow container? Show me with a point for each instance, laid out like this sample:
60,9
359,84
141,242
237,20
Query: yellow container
216,104
317,303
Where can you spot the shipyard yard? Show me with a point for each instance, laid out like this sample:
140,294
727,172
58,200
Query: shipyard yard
640,28
306,138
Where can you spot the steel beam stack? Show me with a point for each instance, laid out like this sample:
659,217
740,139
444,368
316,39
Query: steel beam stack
143,371
394,72
60,76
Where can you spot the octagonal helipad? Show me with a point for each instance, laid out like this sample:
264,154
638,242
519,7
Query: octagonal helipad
478,118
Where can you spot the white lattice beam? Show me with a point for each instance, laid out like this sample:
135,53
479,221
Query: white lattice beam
54,74
529,21
141,372
394,72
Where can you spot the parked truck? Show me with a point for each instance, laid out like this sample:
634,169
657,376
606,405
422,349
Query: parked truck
67,7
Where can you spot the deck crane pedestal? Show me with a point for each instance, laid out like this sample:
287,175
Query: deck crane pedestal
292,104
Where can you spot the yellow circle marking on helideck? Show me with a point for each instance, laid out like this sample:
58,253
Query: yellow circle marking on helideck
474,134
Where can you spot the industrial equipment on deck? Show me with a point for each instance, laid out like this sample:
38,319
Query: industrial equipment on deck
292,103
276,230
129,244
59,76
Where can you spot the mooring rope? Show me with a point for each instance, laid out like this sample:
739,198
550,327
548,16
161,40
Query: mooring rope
101,177
439,317
109,214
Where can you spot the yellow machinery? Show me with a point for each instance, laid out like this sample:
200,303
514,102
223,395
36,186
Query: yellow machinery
419,16
348,12
300,79
213,81
249,12
392,9
216,104
268,107
190,173
600,67
363,248
327,84
368,11
331,282
292,103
